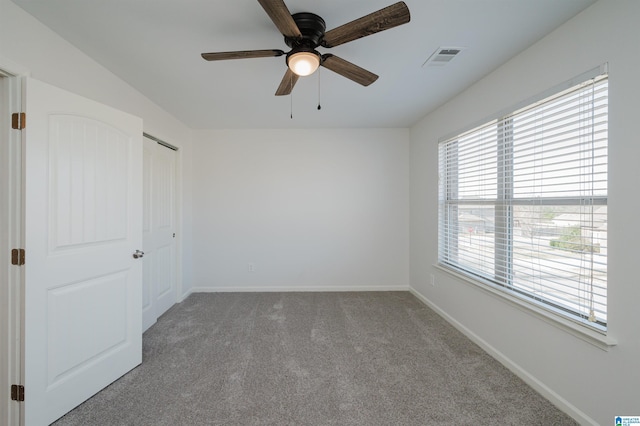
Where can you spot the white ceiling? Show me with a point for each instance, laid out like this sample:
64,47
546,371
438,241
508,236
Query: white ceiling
155,46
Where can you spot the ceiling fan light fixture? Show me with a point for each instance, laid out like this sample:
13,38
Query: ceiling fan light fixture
303,62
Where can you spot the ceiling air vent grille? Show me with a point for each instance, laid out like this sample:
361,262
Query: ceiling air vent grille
442,56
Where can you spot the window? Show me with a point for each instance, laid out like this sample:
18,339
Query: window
523,203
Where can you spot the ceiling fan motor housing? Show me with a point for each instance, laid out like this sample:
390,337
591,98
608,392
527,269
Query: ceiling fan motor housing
312,28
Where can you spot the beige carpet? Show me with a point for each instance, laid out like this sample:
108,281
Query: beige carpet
313,359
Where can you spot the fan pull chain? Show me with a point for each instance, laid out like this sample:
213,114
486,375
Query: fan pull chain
319,107
291,95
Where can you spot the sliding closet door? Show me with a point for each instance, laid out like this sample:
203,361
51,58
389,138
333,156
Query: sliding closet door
159,227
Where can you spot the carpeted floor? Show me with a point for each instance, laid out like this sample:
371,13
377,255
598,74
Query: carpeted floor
380,358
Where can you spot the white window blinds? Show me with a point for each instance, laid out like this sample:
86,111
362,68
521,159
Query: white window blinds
523,203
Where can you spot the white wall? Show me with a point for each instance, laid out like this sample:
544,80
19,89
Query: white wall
28,46
590,383
317,209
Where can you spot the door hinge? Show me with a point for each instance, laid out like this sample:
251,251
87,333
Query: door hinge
18,120
17,257
17,393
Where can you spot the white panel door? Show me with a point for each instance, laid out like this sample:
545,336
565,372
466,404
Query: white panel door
83,222
159,277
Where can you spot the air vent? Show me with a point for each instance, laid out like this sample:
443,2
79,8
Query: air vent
442,56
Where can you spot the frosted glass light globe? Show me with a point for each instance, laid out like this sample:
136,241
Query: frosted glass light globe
304,63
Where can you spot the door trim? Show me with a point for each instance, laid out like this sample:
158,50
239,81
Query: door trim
12,234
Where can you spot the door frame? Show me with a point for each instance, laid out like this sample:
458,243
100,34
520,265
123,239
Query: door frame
12,233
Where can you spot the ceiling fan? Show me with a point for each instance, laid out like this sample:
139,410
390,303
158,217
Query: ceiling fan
305,32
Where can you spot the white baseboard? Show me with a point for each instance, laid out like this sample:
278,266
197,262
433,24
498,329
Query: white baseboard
290,289
528,378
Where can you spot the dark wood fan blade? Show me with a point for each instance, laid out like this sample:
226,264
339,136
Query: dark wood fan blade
288,81
281,17
383,19
348,70
242,54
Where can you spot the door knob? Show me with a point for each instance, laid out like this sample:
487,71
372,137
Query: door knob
138,254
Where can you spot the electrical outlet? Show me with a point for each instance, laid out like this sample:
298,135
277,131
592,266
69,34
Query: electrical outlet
433,280
251,267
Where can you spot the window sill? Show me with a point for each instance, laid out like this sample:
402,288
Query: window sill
592,336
